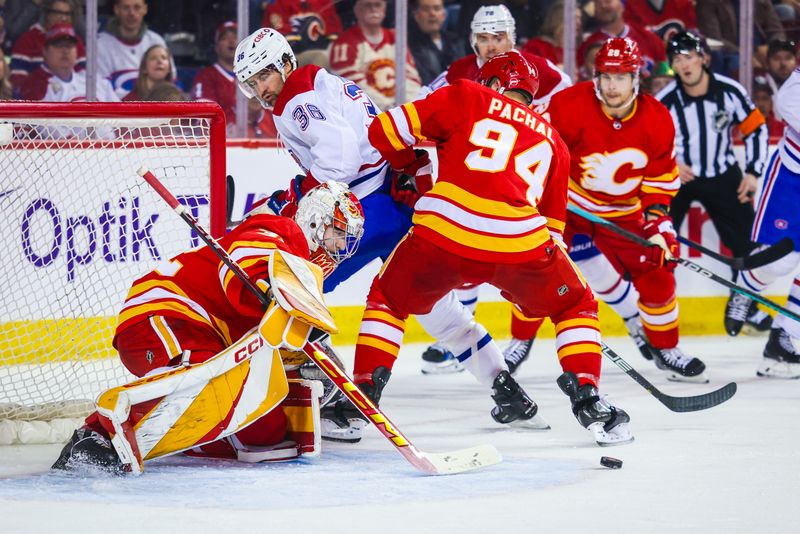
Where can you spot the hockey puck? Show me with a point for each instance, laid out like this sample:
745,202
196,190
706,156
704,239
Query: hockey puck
611,463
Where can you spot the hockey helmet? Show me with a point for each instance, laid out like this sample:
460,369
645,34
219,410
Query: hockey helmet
262,49
494,20
513,71
618,55
331,204
684,43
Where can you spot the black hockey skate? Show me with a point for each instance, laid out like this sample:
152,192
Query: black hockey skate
636,331
737,310
341,420
781,359
517,352
88,449
438,360
608,424
679,367
513,406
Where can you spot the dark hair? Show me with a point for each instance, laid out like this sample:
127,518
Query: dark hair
778,45
164,92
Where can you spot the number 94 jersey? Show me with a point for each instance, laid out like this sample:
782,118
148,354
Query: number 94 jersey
618,167
501,189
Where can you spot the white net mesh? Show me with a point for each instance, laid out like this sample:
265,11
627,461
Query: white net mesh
78,226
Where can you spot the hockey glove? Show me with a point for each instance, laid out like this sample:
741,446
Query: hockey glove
660,231
284,201
414,180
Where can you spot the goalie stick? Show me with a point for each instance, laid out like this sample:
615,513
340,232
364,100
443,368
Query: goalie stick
430,463
702,271
768,255
676,404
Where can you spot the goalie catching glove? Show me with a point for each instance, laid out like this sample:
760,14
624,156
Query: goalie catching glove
660,232
413,180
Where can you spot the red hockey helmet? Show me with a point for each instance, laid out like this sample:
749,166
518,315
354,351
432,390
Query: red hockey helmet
513,71
618,55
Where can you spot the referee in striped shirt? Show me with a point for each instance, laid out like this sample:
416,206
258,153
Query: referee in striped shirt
705,107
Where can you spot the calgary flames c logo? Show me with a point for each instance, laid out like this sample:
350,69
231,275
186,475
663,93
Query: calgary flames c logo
380,75
615,173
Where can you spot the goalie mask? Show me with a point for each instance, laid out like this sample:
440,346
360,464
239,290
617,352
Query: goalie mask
494,20
261,52
332,220
618,55
513,72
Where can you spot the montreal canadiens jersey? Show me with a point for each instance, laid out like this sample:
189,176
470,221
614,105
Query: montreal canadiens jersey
501,191
788,104
217,84
118,61
551,78
26,55
371,66
43,85
197,287
323,119
619,166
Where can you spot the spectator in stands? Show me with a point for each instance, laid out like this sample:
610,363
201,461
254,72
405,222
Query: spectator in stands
609,14
432,47
26,54
123,43
661,77
548,43
20,15
5,83
781,61
217,82
665,18
164,91
586,60
307,24
155,67
365,54
762,98
719,19
56,80
260,124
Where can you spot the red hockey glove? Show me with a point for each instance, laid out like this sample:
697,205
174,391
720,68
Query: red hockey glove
413,180
284,201
660,232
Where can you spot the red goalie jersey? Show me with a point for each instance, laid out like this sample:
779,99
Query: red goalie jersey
196,286
617,167
501,188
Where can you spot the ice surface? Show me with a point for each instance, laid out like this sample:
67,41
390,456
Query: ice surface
734,468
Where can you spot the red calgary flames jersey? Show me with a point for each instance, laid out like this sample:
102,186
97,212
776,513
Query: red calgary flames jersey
617,166
502,177
196,286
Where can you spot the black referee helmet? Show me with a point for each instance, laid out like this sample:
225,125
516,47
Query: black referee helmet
683,43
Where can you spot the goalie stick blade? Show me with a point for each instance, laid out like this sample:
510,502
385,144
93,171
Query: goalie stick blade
698,402
768,255
461,461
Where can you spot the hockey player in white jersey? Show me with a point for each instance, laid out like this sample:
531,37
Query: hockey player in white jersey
776,218
323,120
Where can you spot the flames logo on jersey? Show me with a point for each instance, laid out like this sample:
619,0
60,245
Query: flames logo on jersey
612,173
380,75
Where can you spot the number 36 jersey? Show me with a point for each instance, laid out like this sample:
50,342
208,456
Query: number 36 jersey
501,189
618,167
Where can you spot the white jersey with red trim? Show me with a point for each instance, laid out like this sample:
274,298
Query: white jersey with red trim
323,119
118,61
788,104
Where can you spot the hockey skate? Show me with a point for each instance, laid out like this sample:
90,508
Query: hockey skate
636,331
340,420
438,360
608,424
758,322
781,359
517,352
679,367
514,407
736,311
88,449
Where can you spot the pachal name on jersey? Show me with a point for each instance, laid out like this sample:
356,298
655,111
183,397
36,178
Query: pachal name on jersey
505,110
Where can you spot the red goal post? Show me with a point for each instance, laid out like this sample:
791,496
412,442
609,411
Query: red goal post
77,226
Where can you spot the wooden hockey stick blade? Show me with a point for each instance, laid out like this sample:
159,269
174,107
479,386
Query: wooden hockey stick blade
676,404
768,255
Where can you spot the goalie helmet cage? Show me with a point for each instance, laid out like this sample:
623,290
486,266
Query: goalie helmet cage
78,227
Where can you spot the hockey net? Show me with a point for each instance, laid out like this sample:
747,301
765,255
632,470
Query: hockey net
78,225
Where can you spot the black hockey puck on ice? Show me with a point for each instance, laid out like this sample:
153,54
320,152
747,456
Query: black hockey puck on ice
612,463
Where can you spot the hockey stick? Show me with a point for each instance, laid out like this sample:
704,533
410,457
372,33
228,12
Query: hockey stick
676,404
759,259
702,271
431,463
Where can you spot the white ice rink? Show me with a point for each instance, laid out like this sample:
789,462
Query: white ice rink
733,468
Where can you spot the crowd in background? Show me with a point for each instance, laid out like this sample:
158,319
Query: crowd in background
183,50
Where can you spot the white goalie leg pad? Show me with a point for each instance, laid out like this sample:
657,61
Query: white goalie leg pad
452,324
